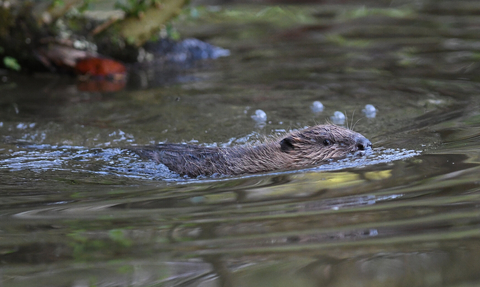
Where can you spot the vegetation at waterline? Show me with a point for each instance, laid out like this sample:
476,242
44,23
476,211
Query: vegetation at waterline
33,33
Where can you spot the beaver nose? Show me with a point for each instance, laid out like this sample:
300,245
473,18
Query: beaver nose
363,143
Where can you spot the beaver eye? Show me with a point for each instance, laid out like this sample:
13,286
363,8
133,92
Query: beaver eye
327,142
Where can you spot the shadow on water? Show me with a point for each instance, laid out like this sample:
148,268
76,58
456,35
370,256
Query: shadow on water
78,209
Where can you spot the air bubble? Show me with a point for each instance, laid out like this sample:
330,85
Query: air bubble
259,116
369,111
338,118
316,107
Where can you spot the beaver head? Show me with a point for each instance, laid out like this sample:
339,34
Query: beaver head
313,145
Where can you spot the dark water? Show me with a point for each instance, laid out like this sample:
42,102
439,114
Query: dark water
78,209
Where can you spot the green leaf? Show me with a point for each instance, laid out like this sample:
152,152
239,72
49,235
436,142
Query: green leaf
11,63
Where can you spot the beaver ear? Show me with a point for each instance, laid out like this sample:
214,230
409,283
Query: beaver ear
286,144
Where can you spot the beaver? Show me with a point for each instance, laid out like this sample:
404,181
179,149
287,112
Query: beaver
298,149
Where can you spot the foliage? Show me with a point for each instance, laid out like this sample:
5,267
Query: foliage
138,30
11,63
133,7
136,7
31,28
6,20
85,6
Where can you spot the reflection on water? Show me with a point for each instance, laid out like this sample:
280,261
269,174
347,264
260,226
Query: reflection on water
78,209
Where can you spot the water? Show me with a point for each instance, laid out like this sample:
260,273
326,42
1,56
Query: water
78,209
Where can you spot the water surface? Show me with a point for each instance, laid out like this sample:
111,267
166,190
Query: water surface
78,209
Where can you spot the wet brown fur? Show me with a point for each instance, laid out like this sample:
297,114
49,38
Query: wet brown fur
297,149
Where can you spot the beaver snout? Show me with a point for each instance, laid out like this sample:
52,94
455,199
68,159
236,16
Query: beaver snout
362,143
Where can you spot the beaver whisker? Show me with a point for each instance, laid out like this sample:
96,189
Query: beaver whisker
356,123
351,121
